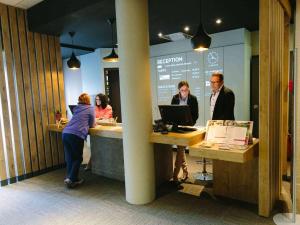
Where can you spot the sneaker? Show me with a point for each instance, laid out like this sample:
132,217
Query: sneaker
87,168
76,183
68,182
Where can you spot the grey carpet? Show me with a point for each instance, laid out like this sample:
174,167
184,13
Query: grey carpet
44,200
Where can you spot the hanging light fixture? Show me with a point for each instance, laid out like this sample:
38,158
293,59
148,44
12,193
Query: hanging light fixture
73,62
113,56
201,41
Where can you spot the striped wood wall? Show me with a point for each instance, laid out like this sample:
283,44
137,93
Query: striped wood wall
31,89
273,40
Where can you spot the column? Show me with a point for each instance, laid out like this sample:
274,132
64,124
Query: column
134,70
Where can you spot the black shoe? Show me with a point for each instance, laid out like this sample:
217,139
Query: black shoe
73,184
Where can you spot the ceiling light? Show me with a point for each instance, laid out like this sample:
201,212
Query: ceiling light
218,21
201,41
186,28
160,34
113,56
73,62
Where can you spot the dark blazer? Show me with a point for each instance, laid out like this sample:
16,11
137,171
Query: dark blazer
192,103
224,108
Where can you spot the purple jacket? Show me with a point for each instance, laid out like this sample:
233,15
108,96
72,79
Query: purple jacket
83,118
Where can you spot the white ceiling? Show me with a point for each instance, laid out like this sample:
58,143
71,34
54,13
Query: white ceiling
24,4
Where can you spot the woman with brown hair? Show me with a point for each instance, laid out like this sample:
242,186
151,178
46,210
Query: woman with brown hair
74,135
102,109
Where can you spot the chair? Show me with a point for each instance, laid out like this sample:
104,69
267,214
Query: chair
203,175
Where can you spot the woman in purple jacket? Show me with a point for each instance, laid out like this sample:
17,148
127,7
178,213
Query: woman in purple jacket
73,137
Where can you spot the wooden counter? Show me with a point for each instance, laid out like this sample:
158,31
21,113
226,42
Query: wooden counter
182,139
231,155
171,138
235,172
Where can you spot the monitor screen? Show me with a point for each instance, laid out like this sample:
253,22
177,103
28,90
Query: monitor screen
176,115
72,107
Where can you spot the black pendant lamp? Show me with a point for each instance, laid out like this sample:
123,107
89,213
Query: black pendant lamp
113,56
73,63
201,41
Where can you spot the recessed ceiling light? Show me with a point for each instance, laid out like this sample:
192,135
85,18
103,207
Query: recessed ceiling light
186,28
160,34
218,21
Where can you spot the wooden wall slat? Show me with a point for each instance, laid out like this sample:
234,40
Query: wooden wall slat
3,174
50,104
55,88
273,110
36,101
60,75
12,89
20,88
61,86
4,97
30,93
11,73
43,98
264,71
27,91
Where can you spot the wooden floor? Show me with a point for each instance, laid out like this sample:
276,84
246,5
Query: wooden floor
45,200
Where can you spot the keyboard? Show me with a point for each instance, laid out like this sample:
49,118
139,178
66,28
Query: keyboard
187,129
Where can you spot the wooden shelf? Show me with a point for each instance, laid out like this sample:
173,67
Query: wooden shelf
232,155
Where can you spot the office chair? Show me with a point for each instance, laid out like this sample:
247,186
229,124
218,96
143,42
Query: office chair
204,175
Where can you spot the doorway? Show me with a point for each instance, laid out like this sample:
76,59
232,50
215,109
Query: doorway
112,90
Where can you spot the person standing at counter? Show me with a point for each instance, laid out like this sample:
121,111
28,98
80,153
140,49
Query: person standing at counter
73,137
221,100
102,109
184,98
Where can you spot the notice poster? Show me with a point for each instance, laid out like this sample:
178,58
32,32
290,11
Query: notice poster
229,132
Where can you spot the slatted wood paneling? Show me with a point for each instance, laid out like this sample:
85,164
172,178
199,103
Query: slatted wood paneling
31,88
273,100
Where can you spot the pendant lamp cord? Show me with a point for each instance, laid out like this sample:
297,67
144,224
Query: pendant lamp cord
112,35
200,11
72,33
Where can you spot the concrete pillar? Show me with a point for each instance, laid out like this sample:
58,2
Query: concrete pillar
133,49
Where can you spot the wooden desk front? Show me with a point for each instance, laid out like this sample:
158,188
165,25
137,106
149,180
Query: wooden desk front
235,172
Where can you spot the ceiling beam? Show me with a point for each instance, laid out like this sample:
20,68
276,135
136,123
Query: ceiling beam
64,45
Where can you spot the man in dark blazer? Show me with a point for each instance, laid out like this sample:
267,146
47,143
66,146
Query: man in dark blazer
184,98
222,99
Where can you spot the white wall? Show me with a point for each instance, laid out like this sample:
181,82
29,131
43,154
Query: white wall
234,52
73,85
92,82
89,78
237,53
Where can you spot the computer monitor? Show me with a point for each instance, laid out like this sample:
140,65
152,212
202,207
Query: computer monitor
72,107
176,115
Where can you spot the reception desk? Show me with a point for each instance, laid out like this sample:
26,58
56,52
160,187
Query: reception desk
107,150
235,171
